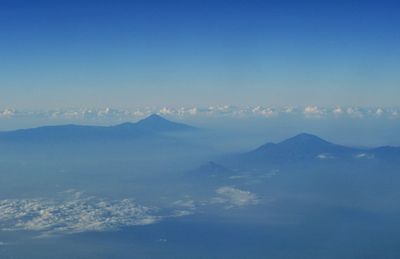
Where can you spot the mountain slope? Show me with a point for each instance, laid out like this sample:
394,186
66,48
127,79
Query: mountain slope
300,147
310,150
149,126
157,123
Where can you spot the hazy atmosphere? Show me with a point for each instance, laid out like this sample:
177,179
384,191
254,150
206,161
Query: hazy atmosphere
199,129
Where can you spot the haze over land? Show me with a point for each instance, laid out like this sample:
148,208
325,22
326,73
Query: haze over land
116,179
199,129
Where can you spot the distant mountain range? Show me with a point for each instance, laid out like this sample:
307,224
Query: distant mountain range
300,150
149,126
301,147
305,147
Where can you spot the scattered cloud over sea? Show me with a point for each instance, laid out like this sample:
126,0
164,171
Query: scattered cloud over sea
75,212
231,197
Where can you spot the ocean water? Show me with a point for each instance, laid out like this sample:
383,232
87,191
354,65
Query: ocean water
340,234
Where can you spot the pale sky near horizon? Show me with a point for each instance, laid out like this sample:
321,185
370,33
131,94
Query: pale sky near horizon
88,53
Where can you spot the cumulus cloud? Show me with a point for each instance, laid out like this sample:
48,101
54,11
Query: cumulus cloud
267,112
7,113
184,207
364,156
354,112
325,156
193,111
313,112
188,203
166,111
379,112
232,197
74,214
394,114
337,111
117,115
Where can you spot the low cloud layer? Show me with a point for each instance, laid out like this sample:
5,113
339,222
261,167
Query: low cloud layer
232,197
73,215
75,212
111,114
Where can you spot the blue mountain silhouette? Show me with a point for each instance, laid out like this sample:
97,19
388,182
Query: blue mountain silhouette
151,125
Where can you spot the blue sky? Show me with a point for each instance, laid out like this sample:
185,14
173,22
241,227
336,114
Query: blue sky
136,53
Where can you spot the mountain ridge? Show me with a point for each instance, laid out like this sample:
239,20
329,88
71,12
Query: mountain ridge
303,149
300,144
154,124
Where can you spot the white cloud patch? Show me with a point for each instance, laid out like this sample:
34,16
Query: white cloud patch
184,207
74,214
264,111
232,197
188,203
379,112
7,113
364,156
337,111
313,112
354,112
325,156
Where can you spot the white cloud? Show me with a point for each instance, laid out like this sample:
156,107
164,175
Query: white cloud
166,111
193,111
111,115
395,114
75,212
325,156
184,207
313,112
104,112
188,203
267,112
73,215
337,111
354,113
232,197
379,112
364,156
288,109
7,113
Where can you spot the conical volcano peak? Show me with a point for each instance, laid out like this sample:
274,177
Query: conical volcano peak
155,116
305,139
153,119
156,122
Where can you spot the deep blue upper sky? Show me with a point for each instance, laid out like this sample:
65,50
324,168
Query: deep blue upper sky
60,53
